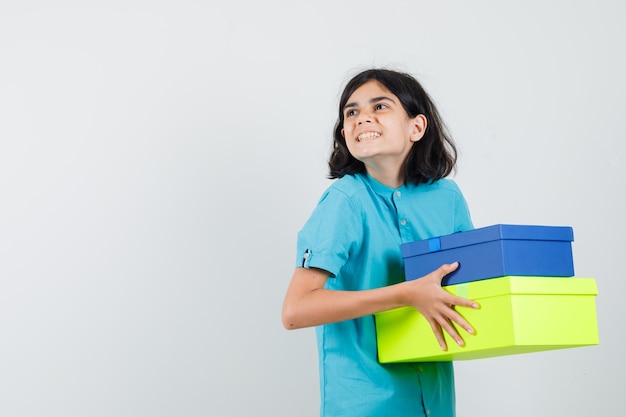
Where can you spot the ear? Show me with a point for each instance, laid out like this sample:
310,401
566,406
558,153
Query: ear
343,134
419,124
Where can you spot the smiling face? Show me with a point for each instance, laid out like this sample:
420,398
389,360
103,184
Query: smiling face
377,129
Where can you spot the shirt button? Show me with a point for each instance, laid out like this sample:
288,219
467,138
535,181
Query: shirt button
420,369
403,222
398,194
427,412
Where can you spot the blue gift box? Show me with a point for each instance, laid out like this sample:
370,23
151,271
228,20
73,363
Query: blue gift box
494,251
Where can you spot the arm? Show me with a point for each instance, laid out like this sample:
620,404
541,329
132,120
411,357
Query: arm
307,303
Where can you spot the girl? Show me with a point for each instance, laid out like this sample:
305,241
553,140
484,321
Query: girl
390,156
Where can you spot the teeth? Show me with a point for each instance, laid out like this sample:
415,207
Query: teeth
367,135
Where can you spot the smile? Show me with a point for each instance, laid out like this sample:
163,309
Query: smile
367,135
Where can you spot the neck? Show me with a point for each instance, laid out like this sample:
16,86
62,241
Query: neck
389,176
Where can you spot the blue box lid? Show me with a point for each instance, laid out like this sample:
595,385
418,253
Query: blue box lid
487,234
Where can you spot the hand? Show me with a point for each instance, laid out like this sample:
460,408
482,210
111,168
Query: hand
437,305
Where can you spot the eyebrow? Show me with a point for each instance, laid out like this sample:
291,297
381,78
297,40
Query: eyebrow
373,100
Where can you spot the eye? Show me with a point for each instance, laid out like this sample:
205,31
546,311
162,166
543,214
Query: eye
350,113
380,106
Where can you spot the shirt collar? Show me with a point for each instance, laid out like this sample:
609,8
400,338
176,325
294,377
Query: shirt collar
381,188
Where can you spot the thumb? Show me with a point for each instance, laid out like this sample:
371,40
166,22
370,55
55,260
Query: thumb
445,269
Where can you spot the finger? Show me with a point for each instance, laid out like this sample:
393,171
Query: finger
451,330
438,334
446,269
455,317
460,301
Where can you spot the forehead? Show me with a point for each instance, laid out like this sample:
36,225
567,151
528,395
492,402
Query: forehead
368,90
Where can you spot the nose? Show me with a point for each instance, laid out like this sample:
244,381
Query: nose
364,117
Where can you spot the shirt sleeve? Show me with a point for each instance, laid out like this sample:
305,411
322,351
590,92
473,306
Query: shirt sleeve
462,218
330,234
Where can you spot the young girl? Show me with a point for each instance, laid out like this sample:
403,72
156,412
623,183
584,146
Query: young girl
390,156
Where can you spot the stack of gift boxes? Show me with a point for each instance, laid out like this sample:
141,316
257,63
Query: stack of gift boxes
522,277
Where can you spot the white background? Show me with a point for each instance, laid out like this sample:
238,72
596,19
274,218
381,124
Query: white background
158,158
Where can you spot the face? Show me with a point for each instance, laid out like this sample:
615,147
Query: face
377,129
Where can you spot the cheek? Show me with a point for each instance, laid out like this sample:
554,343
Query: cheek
346,128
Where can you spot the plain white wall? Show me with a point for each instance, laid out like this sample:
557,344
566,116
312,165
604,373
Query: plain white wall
158,158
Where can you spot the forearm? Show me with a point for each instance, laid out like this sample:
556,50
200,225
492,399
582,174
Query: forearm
308,304
328,306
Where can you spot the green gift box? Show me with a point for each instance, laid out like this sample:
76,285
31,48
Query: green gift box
516,315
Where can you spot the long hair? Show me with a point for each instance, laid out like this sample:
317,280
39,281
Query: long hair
431,158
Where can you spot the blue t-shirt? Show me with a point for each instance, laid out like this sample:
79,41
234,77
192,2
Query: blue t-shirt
355,233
